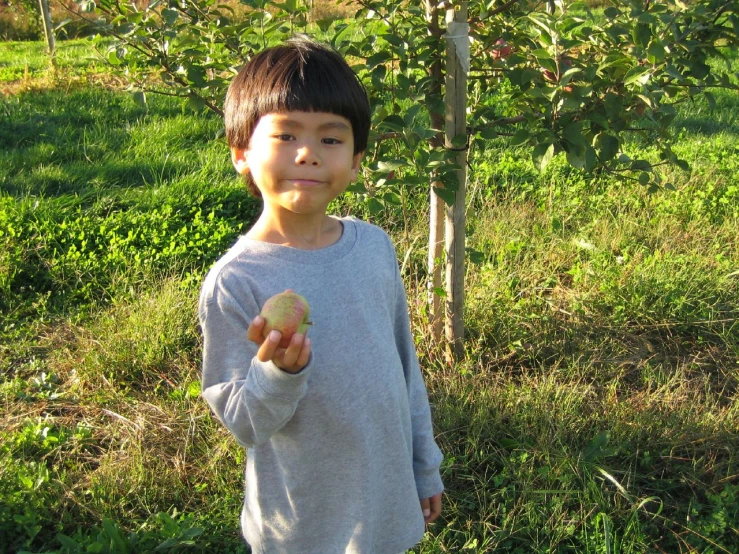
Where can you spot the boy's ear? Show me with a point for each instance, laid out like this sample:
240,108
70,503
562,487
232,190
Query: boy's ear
356,161
238,158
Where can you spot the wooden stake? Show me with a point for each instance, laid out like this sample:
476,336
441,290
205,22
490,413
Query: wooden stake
436,210
456,127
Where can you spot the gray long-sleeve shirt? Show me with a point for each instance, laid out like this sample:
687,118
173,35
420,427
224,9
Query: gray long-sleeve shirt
340,453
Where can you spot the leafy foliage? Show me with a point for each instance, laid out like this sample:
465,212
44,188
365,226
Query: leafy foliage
578,82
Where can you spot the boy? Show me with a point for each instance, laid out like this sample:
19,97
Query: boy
341,455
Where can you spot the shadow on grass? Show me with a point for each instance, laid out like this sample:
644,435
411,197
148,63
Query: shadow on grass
89,179
56,142
699,117
707,125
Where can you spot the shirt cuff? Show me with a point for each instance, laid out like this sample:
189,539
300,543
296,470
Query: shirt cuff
276,382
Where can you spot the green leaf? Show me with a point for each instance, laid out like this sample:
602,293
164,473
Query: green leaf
576,157
591,159
569,74
550,64
374,206
682,164
608,147
699,70
641,34
196,75
394,122
489,133
542,54
614,104
520,136
573,134
637,74
139,98
113,58
114,535
394,40
170,16
343,35
447,195
474,256
656,52
711,99
542,155
195,102
378,58
641,165
390,165
460,141
324,24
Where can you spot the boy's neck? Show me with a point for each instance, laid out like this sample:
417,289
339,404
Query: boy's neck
310,232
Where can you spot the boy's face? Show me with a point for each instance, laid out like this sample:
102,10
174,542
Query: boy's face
300,161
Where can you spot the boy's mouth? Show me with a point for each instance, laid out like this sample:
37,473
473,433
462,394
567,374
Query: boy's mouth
304,182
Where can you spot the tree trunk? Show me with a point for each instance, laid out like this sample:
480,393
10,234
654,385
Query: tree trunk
48,30
456,139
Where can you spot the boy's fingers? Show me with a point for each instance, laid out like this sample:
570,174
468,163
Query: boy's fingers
293,354
435,508
431,508
254,332
304,354
268,348
426,507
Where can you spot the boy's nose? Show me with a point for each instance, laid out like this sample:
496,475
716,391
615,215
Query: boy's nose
307,156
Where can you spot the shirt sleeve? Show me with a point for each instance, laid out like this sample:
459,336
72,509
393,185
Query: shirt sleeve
427,456
252,399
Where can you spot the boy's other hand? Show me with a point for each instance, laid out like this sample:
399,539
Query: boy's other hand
291,359
431,508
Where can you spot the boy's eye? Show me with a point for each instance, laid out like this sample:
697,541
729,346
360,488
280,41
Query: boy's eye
283,136
331,141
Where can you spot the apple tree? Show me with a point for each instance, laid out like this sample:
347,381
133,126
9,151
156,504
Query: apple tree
579,82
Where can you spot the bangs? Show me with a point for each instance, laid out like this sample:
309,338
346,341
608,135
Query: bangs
309,88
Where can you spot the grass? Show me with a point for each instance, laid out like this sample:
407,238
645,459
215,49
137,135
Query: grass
595,410
27,60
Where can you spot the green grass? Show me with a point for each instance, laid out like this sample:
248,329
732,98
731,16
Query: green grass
27,59
595,410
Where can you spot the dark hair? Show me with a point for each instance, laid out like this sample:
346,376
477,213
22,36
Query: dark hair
299,75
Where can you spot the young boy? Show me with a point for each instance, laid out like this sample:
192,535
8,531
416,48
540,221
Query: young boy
341,454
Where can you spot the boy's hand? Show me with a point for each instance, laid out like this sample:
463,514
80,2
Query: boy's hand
291,359
431,508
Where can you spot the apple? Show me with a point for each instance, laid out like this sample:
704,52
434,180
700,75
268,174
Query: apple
287,312
548,75
565,63
501,50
